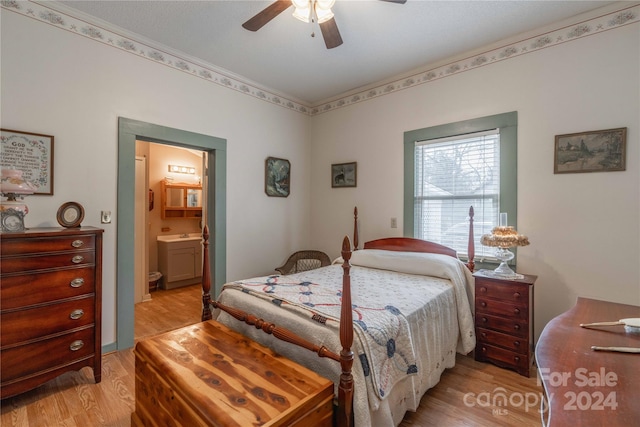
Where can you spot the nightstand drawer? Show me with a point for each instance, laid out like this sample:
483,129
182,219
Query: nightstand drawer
515,327
500,308
503,357
510,292
517,344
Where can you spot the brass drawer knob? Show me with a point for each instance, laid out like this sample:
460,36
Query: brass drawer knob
77,282
516,343
76,314
484,304
516,358
77,243
483,289
516,311
77,259
76,345
516,327
516,295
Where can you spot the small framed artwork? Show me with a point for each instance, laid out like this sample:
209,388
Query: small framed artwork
344,175
32,153
277,177
594,151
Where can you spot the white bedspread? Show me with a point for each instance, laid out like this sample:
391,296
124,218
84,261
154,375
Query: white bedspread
415,307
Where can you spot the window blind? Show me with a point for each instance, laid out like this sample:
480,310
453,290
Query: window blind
452,174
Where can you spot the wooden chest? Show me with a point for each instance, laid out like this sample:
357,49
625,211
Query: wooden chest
50,305
209,375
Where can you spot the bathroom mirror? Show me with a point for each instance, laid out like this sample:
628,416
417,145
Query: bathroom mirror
175,197
181,200
194,198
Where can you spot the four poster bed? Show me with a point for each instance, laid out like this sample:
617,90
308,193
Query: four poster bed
399,310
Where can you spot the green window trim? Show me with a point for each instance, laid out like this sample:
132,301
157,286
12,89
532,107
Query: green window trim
508,125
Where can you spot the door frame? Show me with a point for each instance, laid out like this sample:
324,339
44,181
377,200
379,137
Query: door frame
130,131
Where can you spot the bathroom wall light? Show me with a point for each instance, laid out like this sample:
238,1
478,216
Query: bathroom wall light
182,169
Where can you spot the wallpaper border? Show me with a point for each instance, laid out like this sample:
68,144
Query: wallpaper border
210,73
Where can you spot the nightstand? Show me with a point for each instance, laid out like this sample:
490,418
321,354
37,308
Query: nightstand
504,321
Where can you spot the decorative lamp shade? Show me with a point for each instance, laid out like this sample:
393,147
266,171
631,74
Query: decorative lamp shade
504,237
12,212
12,184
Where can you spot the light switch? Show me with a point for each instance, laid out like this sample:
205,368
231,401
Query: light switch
105,217
394,222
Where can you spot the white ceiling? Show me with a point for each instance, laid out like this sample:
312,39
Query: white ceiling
381,39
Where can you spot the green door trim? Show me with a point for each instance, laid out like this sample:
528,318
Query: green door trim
130,131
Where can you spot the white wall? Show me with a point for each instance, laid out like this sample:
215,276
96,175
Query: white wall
58,83
584,232
583,228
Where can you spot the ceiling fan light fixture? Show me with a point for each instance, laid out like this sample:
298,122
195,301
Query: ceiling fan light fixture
302,10
323,15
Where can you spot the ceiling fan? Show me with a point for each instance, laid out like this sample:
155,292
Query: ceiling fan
305,10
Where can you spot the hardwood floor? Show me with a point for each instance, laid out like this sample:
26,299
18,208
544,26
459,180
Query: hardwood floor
462,398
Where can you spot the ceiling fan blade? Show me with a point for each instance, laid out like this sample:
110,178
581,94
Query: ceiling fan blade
396,1
266,15
330,33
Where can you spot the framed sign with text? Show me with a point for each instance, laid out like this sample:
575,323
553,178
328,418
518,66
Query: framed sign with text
32,153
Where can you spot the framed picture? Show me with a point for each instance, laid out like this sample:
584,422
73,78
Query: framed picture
32,153
344,175
595,151
277,174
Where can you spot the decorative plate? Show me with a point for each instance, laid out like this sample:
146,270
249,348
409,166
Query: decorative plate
70,215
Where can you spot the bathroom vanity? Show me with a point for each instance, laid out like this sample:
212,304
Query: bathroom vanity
180,259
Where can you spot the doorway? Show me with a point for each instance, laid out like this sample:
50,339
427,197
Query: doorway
130,131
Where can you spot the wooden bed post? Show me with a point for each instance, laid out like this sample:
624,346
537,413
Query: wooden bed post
206,276
345,389
471,248
355,229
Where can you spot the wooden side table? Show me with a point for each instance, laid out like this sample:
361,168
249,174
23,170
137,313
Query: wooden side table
504,321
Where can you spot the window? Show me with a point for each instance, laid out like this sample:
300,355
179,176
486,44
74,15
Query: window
451,167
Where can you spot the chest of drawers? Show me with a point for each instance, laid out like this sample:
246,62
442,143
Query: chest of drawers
504,321
50,305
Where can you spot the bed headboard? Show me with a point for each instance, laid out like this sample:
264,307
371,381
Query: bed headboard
409,244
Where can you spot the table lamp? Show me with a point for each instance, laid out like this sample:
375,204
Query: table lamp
504,237
12,212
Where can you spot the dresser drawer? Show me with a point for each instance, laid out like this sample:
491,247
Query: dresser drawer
500,308
516,327
34,263
25,360
47,244
17,326
503,357
36,288
516,344
515,293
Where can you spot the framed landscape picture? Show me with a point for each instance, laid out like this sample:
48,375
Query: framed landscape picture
594,151
344,175
277,175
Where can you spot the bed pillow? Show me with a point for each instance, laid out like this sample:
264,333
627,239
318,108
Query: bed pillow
404,262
